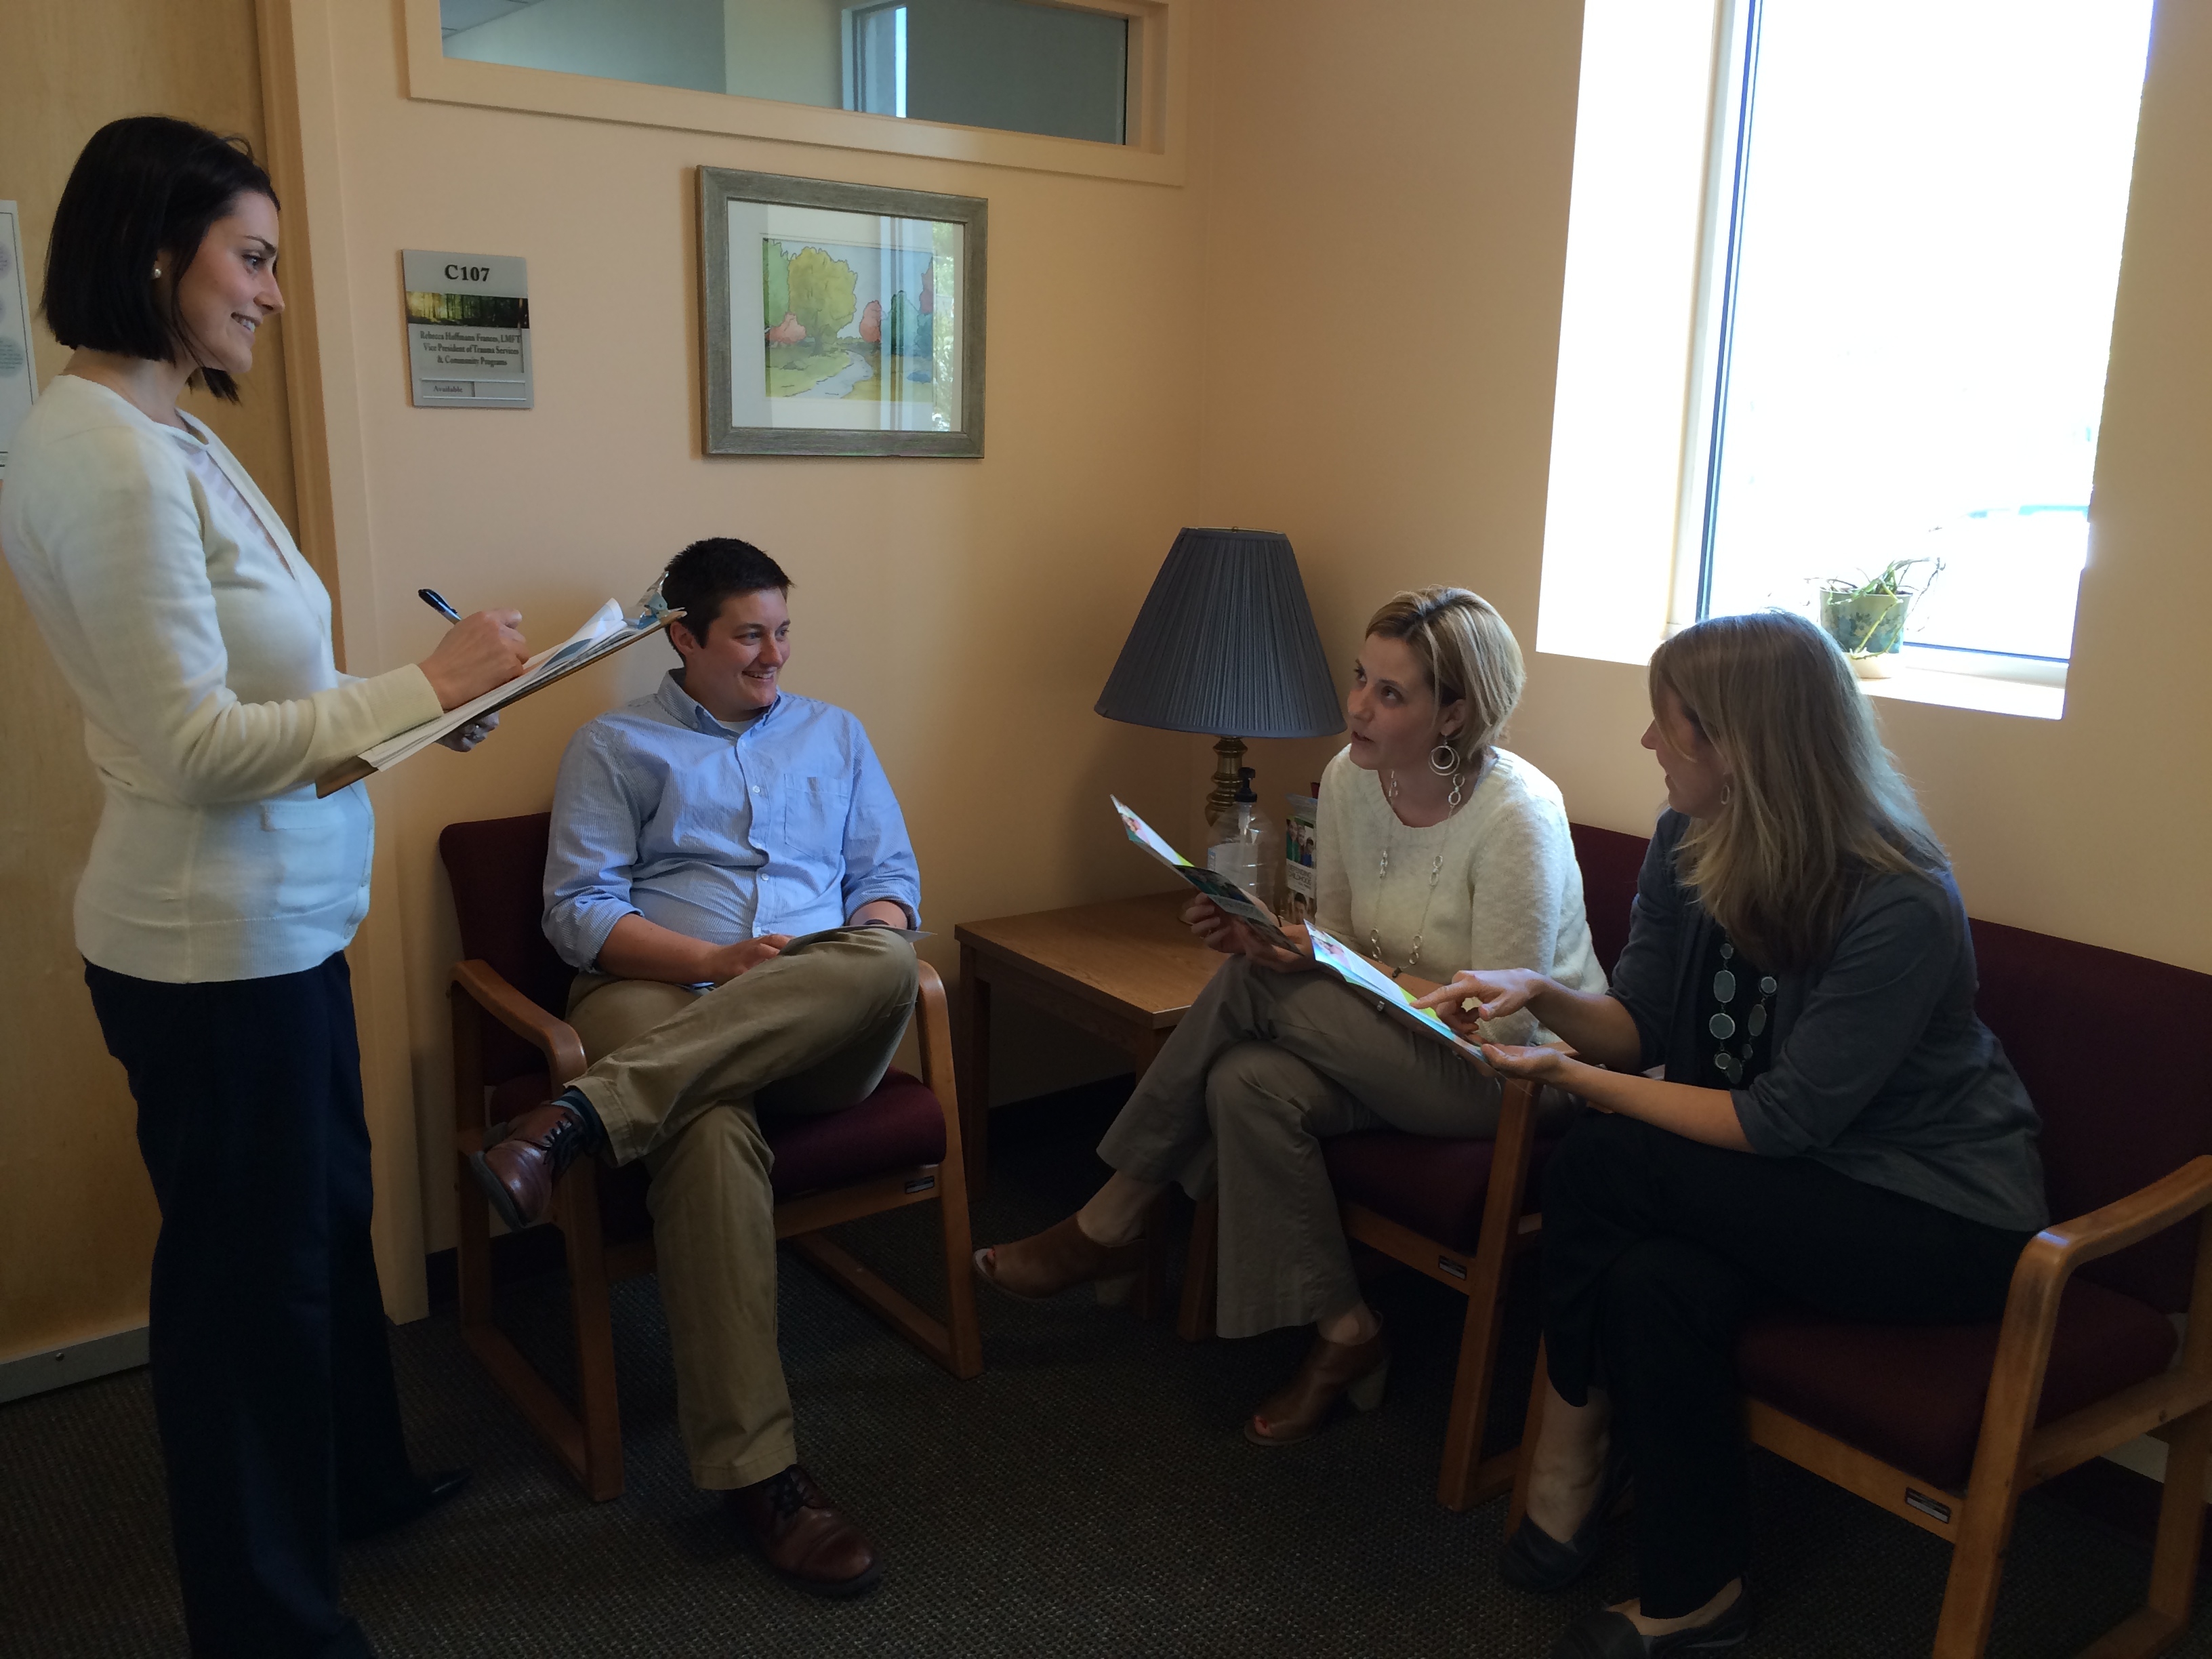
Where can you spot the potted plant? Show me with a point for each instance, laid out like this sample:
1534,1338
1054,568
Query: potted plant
1867,618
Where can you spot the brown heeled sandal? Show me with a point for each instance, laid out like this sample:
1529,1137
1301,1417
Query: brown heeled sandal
1057,1259
1359,1371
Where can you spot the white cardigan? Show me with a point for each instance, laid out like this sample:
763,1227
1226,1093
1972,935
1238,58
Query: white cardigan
198,642
1507,894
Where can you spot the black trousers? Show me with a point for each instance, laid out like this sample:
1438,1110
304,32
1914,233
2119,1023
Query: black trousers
1657,1248
272,1380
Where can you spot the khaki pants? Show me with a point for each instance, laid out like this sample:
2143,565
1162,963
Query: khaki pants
677,1076
1263,1068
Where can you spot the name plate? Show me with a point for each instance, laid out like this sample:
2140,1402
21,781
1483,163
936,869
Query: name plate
468,330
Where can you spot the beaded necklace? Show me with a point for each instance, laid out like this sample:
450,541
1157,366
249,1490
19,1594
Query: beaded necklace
1723,1025
1435,868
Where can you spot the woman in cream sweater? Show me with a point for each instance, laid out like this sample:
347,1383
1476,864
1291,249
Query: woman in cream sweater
220,892
1435,850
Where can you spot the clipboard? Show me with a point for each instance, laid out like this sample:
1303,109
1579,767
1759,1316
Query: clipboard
545,670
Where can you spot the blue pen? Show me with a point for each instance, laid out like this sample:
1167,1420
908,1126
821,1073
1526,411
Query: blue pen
437,601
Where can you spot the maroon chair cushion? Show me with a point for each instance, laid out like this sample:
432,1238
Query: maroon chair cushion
2104,1138
497,869
1433,1185
897,1127
1912,1395
1611,862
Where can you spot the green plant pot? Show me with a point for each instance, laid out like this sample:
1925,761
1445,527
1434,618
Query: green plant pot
1865,625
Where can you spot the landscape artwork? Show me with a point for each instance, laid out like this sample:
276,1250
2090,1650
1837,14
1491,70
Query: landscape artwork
840,319
855,323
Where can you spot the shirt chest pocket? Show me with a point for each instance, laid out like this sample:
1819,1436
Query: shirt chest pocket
814,811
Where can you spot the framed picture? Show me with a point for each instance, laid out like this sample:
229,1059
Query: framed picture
840,319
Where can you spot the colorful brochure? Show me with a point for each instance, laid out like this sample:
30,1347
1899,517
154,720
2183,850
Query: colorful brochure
1233,900
1327,951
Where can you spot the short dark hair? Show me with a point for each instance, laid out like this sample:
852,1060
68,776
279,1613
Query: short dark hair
704,575
144,188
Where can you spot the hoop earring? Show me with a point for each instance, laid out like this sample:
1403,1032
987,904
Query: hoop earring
1449,765
1728,791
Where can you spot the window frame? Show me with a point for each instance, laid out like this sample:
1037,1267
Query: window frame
1733,121
1155,108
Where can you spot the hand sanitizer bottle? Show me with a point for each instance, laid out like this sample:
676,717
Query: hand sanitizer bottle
1234,842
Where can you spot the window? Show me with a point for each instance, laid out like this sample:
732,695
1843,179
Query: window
1838,291
1913,296
875,59
1014,65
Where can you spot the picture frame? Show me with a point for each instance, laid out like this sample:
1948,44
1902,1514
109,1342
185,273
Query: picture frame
877,345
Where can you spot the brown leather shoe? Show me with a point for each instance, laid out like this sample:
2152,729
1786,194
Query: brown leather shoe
803,1537
522,1159
1060,1258
1358,1371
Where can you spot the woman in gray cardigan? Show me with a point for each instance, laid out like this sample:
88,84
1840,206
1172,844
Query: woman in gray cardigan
1834,1125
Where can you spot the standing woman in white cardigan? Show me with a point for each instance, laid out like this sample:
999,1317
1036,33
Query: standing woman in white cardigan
221,893
1432,846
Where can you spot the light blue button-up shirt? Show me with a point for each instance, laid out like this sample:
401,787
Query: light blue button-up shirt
784,825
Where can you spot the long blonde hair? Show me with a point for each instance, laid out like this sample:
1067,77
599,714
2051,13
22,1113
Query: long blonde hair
1469,653
1814,805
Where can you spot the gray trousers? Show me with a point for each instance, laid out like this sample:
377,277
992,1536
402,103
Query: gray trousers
676,1075
1263,1069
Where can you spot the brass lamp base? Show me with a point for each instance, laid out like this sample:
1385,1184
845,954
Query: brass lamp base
1228,760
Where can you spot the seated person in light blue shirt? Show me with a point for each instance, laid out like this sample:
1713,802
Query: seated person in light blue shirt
729,873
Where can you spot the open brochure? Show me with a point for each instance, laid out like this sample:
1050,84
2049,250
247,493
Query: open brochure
604,632
1327,951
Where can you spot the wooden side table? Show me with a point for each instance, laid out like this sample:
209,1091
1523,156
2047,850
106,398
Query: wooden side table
1126,971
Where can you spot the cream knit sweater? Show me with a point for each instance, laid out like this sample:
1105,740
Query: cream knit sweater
1507,891
198,642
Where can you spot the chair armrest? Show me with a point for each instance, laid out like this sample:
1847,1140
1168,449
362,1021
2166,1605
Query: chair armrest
2129,1220
555,1039
933,1036
1510,1150
2038,1283
2052,1254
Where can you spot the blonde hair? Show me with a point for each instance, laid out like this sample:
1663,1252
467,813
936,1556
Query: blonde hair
1469,653
1814,805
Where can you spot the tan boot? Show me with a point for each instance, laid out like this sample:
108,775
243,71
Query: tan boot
1060,1257
1359,1371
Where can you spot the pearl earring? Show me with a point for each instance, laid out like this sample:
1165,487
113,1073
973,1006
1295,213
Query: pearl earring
157,273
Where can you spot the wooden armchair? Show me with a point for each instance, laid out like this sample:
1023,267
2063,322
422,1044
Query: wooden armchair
1945,1427
899,1146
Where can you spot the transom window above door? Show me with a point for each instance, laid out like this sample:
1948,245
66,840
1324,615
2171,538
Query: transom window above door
1013,65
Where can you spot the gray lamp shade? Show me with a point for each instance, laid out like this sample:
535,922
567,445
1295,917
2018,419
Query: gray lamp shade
1227,645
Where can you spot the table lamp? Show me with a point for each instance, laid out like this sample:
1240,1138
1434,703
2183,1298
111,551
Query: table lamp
1225,644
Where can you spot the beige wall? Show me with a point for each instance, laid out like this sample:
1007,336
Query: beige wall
1351,170
968,611
76,1215
1159,355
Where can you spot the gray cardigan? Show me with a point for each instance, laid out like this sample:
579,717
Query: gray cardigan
1881,1069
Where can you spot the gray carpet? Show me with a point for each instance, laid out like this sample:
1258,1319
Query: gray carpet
1088,1494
